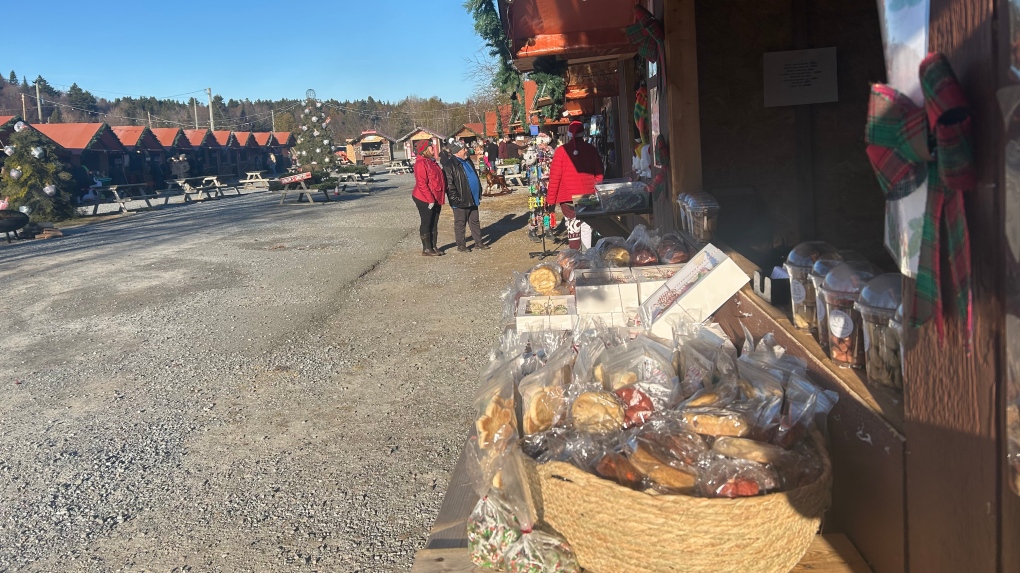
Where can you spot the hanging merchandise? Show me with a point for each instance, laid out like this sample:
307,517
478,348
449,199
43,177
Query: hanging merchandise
899,137
641,112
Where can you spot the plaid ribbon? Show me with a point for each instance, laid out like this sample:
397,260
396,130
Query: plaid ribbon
647,34
908,145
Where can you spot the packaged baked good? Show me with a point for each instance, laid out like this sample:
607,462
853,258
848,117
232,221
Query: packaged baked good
545,278
641,244
806,407
672,250
543,393
877,303
716,422
541,552
661,475
597,412
802,291
638,408
736,478
568,260
841,288
669,438
616,467
611,252
491,529
751,450
644,364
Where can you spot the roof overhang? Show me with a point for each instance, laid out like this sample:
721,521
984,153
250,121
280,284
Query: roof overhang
570,30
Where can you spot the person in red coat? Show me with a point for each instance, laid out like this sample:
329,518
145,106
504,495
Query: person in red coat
428,195
576,169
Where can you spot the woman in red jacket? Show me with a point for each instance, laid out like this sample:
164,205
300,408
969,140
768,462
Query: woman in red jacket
576,169
428,194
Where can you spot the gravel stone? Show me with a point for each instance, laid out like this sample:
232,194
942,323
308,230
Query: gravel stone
236,385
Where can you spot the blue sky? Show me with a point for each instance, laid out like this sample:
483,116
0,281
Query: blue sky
258,49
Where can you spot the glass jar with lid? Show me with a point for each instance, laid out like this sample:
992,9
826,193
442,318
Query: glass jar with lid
878,304
841,288
802,291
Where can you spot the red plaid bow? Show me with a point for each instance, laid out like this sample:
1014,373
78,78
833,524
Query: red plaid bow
909,144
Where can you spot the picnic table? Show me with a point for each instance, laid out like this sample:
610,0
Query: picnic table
399,166
357,179
255,180
296,184
121,194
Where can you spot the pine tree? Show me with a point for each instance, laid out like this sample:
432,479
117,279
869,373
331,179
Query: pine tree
45,89
314,149
13,78
35,158
80,99
55,117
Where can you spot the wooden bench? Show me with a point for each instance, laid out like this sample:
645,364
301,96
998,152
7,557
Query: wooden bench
446,549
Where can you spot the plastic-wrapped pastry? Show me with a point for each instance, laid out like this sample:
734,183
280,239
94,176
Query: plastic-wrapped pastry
661,475
618,468
597,412
545,278
736,478
713,422
638,406
672,250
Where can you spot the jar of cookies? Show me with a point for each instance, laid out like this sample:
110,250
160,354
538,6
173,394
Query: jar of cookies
802,291
840,290
821,268
704,217
877,304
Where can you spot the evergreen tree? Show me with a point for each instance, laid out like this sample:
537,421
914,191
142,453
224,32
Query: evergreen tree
56,116
24,84
35,158
45,89
80,99
314,151
13,78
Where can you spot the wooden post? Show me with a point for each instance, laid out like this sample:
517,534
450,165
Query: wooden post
954,460
626,115
681,75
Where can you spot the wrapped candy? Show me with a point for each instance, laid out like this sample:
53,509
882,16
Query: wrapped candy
541,552
492,529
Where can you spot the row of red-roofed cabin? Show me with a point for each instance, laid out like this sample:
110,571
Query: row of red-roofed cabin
137,154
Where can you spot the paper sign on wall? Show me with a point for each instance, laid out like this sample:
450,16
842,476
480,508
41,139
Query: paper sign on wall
800,77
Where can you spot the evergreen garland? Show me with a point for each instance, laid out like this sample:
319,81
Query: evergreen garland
507,80
36,174
550,76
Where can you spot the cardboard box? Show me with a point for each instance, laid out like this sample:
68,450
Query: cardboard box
538,313
695,292
603,291
651,278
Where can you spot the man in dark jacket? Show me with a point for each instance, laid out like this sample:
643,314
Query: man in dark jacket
464,192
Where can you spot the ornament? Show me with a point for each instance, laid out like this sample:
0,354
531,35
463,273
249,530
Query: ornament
318,150
326,160
310,94
315,118
325,123
325,142
304,128
9,150
19,126
299,140
303,152
15,174
318,104
25,209
50,189
307,110
38,152
316,133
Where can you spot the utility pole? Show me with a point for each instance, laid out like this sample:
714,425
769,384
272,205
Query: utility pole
149,115
273,114
194,100
212,122
24,113
38,101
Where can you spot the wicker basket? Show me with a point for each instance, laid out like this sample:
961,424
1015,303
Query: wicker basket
614,529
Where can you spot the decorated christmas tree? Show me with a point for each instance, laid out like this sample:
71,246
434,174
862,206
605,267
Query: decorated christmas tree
35,178
314,149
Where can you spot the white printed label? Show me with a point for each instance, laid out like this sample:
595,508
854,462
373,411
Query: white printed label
797,291
840,324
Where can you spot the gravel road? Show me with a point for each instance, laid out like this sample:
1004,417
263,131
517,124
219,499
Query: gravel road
236,385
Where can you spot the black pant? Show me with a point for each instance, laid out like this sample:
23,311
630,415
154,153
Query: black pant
429,217
468,216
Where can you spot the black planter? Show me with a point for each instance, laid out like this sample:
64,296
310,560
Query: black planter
11,221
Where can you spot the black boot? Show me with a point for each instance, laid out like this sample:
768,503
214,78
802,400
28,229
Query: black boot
426,246
435,243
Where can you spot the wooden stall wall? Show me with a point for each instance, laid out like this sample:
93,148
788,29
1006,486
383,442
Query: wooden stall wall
803,166
953,461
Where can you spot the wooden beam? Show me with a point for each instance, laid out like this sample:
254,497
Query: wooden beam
625,71
681,87
954,460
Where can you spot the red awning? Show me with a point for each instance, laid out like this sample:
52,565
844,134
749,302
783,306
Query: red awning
568,29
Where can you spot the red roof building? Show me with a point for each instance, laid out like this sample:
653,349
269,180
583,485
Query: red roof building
79,137
137,137
200,137
225,139
172,138
245,139
263,138
284,138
